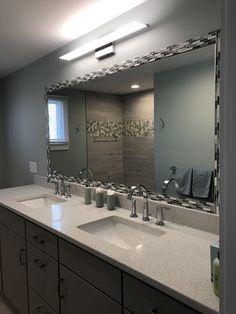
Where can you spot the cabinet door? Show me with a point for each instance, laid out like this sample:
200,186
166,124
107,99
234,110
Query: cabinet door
140,298
14,275
12,221
79,297
97,272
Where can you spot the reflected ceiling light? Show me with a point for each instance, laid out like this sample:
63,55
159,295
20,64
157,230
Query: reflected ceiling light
135,86
121,32
96,15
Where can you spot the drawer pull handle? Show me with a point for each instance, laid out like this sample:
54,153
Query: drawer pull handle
42,265
22,261
60,288
35,238
38,307
153,310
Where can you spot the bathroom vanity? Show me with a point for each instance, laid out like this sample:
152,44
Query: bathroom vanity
54,259
60,256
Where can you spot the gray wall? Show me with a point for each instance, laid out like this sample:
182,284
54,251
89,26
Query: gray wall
71,161
130,160
105,158
227,159
25,130
185,100
2,149
138,151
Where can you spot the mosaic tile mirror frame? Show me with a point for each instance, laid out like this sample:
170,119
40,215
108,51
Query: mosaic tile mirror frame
212,38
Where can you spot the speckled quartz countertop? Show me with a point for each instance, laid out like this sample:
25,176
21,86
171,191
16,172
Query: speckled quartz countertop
177,264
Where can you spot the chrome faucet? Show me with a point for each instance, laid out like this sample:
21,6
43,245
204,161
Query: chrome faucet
88,171
166,184
62,189
130,197
142,189
63,186
53,178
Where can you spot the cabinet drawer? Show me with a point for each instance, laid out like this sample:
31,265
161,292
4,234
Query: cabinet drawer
140,298
38,305
42,239
97,272
12,221
126,312
43,275
78,296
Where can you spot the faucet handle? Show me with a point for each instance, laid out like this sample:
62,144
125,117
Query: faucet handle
160,216
145,212
56,182
68,190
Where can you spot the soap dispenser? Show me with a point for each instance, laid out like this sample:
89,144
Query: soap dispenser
111,200
99,197
87,194
216,275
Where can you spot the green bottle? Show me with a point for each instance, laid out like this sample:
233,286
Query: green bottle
216,275
87,194
99,197
111,200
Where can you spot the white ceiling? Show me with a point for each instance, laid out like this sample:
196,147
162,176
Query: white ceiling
120,83
30,29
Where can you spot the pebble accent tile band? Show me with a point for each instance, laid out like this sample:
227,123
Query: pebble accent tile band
117,129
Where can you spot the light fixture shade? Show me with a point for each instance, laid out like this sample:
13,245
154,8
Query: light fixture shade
119,33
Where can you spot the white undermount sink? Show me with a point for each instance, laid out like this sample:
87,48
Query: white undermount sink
121,232
41,201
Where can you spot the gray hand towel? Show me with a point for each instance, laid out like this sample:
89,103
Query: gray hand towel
201,183
183,176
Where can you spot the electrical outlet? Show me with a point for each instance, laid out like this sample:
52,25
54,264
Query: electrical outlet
33,166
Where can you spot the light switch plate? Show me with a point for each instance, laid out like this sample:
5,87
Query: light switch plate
33,166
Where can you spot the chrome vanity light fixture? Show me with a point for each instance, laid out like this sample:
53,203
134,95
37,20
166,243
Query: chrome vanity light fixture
104,51
105,40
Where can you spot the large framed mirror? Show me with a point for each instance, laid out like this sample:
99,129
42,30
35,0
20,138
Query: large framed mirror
144,121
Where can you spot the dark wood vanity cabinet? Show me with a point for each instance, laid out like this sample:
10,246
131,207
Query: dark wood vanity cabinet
140,298
78,296
13,260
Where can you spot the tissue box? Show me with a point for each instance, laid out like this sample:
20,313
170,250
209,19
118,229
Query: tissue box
214,249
